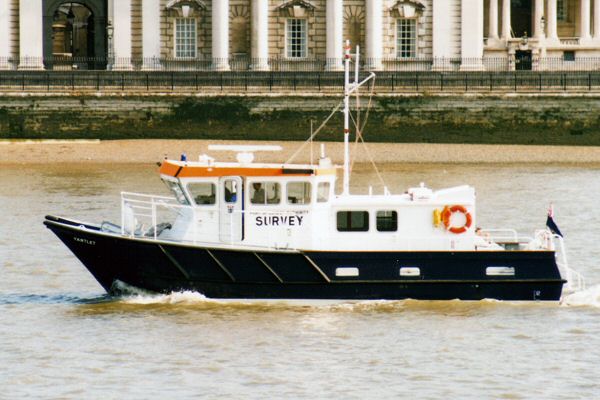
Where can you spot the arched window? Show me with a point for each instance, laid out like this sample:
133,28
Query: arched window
239,35
354,27
562,8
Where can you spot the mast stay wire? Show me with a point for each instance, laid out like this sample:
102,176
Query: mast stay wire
359,135
311,138
359,132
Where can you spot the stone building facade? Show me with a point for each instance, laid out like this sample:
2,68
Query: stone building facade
274,34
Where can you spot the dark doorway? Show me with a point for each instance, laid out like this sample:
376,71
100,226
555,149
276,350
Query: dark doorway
523,60
75,34
521,17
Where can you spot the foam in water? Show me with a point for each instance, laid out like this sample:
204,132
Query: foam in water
134,295
587,297
186,297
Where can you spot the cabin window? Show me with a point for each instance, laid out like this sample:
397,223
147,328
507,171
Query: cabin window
323,192
203,193
176,189
298,192
352,221
265,193
387,221
230,193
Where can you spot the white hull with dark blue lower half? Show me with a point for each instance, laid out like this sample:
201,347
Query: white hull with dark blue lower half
229,273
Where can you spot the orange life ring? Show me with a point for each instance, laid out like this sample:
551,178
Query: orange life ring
447,213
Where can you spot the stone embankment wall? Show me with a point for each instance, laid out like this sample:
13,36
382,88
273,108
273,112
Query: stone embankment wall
420,119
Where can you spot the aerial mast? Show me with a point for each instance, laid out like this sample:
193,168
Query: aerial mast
348,90
346,187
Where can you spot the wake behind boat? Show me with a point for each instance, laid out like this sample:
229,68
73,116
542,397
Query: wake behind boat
247,230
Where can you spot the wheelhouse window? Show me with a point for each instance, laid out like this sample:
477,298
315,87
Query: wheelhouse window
298,192
406,38
185,38
296,38
230,192
203,193
323,189
387,221
177,191
265,193
352,221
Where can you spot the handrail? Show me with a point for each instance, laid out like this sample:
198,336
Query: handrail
575,280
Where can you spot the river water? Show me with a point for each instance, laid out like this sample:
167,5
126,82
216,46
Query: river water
62,337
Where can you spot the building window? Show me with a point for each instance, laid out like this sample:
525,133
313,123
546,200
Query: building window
561,10
185,38
352,221
406,38
569,56
296,38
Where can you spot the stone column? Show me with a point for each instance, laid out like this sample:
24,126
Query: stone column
122,34
374,34
551,22
584,19
31,37
5,31
538,14
597,19
220,35
335,35
151,34
260,35
442,35
506,26
471,35
493,17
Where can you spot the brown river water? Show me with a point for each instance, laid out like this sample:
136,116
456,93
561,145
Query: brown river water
62,337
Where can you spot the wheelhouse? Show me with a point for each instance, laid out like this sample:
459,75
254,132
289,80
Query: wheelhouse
253,203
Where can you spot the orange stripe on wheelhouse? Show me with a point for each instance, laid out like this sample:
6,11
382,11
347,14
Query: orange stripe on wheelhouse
190,171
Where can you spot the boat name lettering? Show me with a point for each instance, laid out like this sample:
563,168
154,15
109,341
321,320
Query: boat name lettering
86,241
279,220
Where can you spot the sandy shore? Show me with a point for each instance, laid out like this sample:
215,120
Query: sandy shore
149,151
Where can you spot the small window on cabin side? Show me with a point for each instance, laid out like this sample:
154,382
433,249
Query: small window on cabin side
203,193
323,192
298,192
265,193
352,221
230,195
387,221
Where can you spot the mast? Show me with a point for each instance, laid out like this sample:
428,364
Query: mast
346,187
348,90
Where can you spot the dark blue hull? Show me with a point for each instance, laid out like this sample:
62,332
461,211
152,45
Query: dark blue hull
217,273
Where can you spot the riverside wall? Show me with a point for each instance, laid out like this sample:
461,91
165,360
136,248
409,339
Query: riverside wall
504,119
